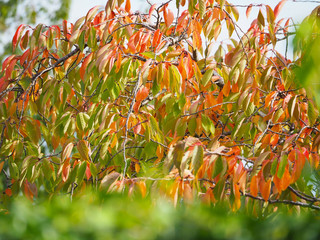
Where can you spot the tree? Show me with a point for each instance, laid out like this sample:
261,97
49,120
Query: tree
141,104
13,12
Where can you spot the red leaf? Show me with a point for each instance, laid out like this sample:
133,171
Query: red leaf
17,35
65,29
6,62
10,68
3,84
249,8
8,192
278,8
286,26
88,172
152,9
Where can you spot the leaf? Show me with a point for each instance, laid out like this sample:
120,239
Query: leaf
66,151
1,166
82,119
291,106
218,167
83,150
261,18
282,165
254,186
258,162
249,8
197,158
152,9
142,93
202,7
17,35
93,170
278,8
207,77
270,15
81,171
265,187
109,179
312,113
91,13
88,172
178,154
128,6
207,124
65,171
169,18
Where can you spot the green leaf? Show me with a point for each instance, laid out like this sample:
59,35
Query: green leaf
197,158
83,150
207,124
93,170
202,7
274,167
312,113
218,167
207,77
282,165
192,125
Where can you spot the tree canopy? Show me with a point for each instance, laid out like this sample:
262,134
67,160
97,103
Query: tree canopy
147,104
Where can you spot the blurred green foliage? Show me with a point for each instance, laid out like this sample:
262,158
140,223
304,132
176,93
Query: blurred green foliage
307,48
116,217
16,12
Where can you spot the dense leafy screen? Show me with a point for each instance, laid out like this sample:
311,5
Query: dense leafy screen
141,104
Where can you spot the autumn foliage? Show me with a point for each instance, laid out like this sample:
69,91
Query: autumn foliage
152,104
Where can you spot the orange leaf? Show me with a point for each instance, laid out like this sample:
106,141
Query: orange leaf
274,140
128,6
143,188
226,89
254,186
156,38
265,188
142,93
168,17
196,40
65,170
30,190
220,98
1,166
249,8
278,8
237,195
8,191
